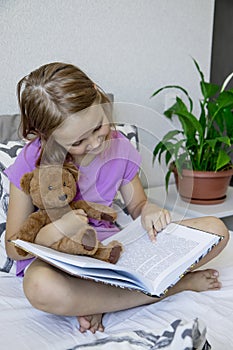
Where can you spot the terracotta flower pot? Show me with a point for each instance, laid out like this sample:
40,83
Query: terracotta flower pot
203,187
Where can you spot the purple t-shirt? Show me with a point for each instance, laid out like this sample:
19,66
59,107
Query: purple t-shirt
98,182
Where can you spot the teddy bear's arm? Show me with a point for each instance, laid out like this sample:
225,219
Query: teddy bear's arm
83,242
31,227
95,210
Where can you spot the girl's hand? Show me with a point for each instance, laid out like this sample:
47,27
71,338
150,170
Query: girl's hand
70,222
154,219
67,225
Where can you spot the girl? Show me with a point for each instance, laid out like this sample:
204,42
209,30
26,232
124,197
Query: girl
70,119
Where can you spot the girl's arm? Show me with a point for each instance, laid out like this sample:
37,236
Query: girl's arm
154,218
20,206
67,225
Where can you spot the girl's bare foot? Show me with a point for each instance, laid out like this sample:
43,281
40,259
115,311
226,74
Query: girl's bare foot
197,281
91,323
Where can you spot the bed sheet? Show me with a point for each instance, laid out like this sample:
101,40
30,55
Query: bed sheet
24,328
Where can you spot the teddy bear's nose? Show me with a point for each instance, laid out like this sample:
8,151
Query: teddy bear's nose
63,197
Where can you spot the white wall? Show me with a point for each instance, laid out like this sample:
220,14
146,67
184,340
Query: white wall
129,47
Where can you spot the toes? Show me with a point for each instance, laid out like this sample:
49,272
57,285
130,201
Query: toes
101,328
84,324
96,327
215,285
211,276
90,323
210,273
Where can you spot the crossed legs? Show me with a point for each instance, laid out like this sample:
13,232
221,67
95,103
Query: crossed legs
54,291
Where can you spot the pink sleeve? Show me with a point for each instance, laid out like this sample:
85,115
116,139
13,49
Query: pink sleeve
131,158
24,163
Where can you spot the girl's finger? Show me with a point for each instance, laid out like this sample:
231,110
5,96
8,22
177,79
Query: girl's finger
80,212
152,233
168,217
163,221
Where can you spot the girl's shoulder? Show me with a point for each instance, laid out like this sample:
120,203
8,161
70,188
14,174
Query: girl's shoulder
30,152
116,134
25,162
120,146
119,140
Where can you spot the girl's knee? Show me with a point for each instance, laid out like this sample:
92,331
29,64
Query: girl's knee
217,226
210,224
37,287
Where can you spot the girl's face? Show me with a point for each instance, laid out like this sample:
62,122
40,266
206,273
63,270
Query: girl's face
84,134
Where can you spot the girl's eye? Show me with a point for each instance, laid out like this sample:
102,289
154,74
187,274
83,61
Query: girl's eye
50,188
98,127
78,143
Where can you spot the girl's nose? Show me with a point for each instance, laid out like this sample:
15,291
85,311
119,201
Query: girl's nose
93,142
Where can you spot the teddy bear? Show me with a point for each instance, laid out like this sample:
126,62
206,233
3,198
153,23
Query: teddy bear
52,189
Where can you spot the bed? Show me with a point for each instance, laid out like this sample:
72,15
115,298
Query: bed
188,320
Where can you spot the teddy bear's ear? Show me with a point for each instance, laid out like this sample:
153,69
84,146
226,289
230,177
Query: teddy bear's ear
72,169
25,182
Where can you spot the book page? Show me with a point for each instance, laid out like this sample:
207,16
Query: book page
176,248
150,259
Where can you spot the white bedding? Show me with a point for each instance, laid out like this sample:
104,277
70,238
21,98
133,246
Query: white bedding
23,327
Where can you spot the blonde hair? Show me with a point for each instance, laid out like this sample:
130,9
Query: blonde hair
50,94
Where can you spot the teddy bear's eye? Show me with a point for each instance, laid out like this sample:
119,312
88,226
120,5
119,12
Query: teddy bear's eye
50,188
64,184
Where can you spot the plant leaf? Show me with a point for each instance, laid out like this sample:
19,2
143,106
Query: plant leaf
170,135
209,90
226,81
178,88
222,139
199,70
167,178
223,160
227,116
190,121
225,99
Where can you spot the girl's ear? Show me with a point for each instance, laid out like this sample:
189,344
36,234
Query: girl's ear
72,169
25,182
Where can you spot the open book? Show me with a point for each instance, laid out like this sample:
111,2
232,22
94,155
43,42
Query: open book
149,267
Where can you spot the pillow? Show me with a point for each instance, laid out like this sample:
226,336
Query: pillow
123,217
178,335
8,153
9,124
131,132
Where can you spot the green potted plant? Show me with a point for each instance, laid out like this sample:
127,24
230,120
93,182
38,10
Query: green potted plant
203,145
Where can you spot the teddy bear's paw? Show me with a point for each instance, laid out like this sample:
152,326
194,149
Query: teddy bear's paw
109,253
111,217
115,254
21,252
83,242
96,211
89,240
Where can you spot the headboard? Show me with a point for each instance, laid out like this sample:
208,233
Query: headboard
9,124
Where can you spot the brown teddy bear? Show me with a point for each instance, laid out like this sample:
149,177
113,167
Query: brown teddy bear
52,189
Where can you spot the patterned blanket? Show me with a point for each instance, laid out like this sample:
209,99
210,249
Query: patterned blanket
179,336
